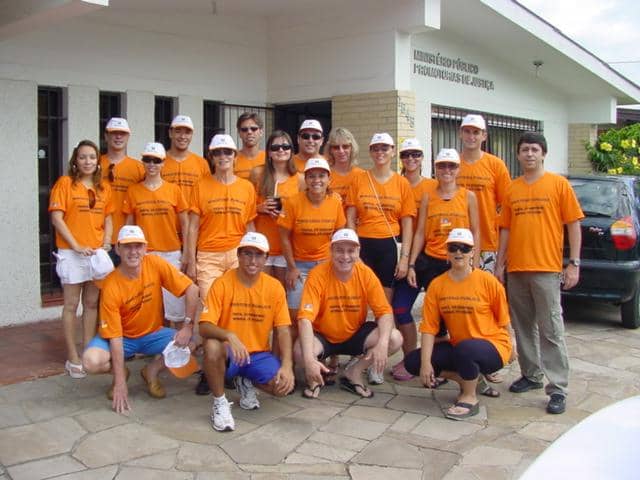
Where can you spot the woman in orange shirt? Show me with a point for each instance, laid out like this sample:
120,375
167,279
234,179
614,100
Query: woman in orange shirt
341,151
474,308
80,206
275,181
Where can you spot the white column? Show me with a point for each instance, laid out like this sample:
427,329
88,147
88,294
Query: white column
140,115
83,105
192,106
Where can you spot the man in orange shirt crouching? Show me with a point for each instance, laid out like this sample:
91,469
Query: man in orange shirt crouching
131,316
332,318
242,308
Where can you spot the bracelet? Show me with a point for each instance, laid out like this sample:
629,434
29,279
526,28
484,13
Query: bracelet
413,265
106,247
405,255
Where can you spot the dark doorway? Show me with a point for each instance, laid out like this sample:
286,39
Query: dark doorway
289,117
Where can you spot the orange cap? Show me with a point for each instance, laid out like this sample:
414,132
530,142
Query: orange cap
187,369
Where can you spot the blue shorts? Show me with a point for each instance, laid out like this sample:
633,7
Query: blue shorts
150,344
261,368
294,296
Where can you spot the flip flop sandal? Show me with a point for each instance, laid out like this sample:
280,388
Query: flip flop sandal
330,376
471,411
349,386
439,382
311,392
74,370
488,391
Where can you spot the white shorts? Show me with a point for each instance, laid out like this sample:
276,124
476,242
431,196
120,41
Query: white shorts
71,267
276,261
174,307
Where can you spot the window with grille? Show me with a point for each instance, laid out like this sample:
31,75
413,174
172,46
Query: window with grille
164,113
110,106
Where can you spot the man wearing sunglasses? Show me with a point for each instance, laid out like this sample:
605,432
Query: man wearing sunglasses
310,138
250,129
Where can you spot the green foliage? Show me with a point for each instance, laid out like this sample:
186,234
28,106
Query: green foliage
616,151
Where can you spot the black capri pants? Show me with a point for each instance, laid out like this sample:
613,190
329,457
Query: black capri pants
381,255
468,358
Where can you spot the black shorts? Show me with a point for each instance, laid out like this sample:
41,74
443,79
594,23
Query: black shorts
428,268
353,346
381,255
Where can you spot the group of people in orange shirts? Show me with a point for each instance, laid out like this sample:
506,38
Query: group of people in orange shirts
305,220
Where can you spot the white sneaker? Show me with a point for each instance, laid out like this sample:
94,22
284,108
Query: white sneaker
221,418
375,378
248,397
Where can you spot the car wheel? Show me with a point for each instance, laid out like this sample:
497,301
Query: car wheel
631,311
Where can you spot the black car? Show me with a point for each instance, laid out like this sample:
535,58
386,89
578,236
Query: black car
610,255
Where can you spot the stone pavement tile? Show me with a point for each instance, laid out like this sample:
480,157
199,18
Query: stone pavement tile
445,429
390,452
41,388
335,394
521,443
12,416
416,391
570,417
100,419
268,444
419,405
625,362
49,467
45,409
121,444
295,469
138,473
380,399
438,462
269,410
161,461
38,440
317,414
326,452
375,414
407,422
579,365
195,458
339,441
104,473
307,459
491,456
594,402
318,477
366,472
269,476
612,387
353,427
479,473
545,431
222,476
515,416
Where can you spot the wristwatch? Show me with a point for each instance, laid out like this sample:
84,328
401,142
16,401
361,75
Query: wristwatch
575,262
187,320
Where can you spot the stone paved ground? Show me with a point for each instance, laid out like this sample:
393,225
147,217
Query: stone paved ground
62,428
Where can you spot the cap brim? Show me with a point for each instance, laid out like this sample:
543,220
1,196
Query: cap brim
132,240
190,127
407,149
464,242
186,370
447,160
123,130
345,240
253,245
155,155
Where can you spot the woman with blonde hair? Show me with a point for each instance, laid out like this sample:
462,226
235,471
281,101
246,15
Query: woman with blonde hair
341,151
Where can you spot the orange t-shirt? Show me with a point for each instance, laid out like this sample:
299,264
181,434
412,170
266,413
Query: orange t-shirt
126,172
224,212
426,185
340,183
443,216
535,215
245,164
251,313
267,225
86,224
475,307
489,179
311,227
338,309
299,162
186,173
133,307
395,197
156,211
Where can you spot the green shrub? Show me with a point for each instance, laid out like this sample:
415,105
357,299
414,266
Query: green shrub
616,151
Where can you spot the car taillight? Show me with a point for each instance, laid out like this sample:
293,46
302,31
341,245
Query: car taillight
623,234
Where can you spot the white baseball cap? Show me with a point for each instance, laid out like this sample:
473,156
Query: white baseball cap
381,138
448,155
460,235
222,141
345,235
255,240
179,360
154,149
411,144
131,234
182,121
317,162
474,121
117,124
100,264
311,125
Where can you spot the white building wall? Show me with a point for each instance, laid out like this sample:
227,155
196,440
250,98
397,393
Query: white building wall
82,115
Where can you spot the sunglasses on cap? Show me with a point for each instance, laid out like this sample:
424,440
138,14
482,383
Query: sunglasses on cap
280,146
222,151
246,129
455,247
307,136
154,160
411,153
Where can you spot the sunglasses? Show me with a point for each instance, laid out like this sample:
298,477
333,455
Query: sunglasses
411,154
379,148
280,146
454,247
92,198
154,160
222,151
246,129
340,147
446,166
110,174
307,136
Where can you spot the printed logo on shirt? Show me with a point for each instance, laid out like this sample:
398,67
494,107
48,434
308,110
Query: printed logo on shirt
308,307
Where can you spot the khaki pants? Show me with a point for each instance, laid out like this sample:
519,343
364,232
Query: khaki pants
536,315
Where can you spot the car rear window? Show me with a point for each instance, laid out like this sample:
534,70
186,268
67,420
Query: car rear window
597,197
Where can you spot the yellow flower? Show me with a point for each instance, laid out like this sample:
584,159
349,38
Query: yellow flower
606,147
619,170
634,161
633,143
625,144
612,171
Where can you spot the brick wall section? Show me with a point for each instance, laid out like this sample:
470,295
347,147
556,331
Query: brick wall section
368,113
579,133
